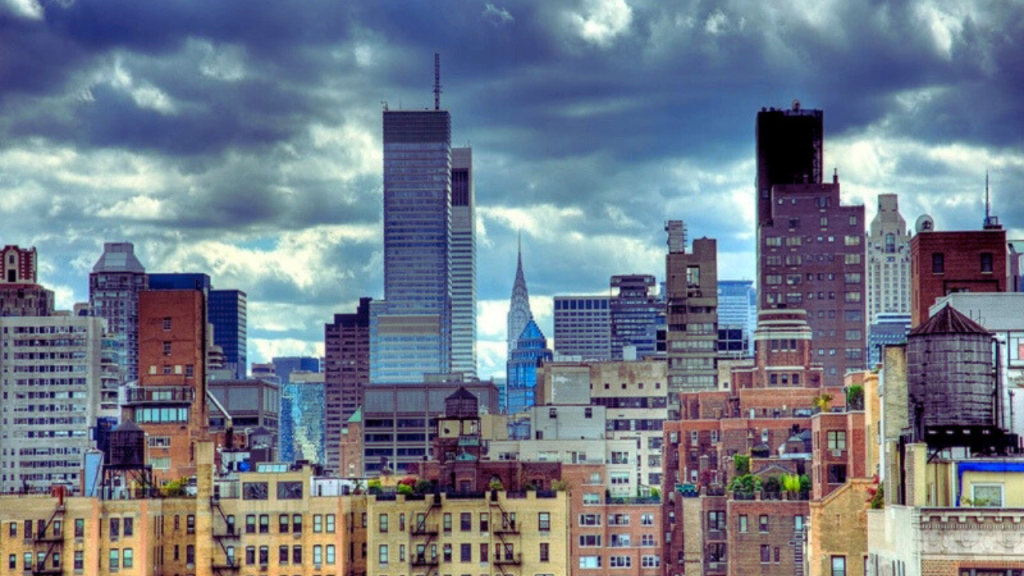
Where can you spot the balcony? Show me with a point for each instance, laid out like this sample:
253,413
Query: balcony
716,567
424,561
424,530
508,560
162,395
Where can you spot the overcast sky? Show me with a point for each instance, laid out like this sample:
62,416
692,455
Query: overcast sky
243,139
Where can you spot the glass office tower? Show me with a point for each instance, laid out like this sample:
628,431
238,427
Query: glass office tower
410,331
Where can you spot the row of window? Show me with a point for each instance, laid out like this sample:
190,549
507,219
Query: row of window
321,523
118,558
616,541
285,556
649,561
939,263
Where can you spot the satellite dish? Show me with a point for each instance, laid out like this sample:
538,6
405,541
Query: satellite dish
925,223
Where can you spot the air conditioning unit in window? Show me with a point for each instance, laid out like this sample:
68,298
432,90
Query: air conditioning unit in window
837,453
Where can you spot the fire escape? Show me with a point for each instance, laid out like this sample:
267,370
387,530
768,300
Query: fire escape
424,539
49,542
230,565
505,556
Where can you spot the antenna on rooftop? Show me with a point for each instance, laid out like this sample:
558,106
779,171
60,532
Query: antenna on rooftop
437,81
986,198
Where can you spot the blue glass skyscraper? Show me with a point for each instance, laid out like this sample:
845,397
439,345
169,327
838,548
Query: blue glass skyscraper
410,331
531,349
227,310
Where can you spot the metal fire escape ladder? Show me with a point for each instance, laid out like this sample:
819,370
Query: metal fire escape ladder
231,565
49,542
424,529
508,556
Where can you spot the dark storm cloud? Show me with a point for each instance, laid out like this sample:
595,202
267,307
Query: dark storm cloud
253,129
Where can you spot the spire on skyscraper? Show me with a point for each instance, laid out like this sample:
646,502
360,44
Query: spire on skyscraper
519,314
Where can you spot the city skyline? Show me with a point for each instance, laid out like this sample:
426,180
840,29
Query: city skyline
251,150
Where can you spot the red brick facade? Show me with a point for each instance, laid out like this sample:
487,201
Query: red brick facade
946,262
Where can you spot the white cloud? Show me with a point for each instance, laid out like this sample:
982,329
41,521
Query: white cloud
545,221
497,16
27,9
144,94
716,23
602,21
137,208
262,350
225,62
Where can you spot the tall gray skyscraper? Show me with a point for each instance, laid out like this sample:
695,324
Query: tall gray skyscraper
463,259
114,286
519,314
410,331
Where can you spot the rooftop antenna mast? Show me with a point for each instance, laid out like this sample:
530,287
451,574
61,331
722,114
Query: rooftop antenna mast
987,219
437,81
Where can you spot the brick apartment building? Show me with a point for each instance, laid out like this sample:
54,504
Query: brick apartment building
960,261
767,417
170,402
811,257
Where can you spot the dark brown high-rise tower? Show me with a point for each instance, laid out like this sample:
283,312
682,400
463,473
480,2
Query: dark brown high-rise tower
789,144
347,360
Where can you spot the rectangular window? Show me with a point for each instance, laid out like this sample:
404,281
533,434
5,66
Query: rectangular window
852,240
190,524
250,555
129,526
466,522
264,555
330,523
318,555
836,473
852,259
986,262
590,540
839,566
115,528
383,523
990,495
282,555
190,554
128,558
79,527
297,523
938,267
485,522
545,552
716,520
296,554
282,524
330,551
544,521
250,524
447,522
79,560
465,552
743,523
318,523
837,440
766,554
762,523
115,559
